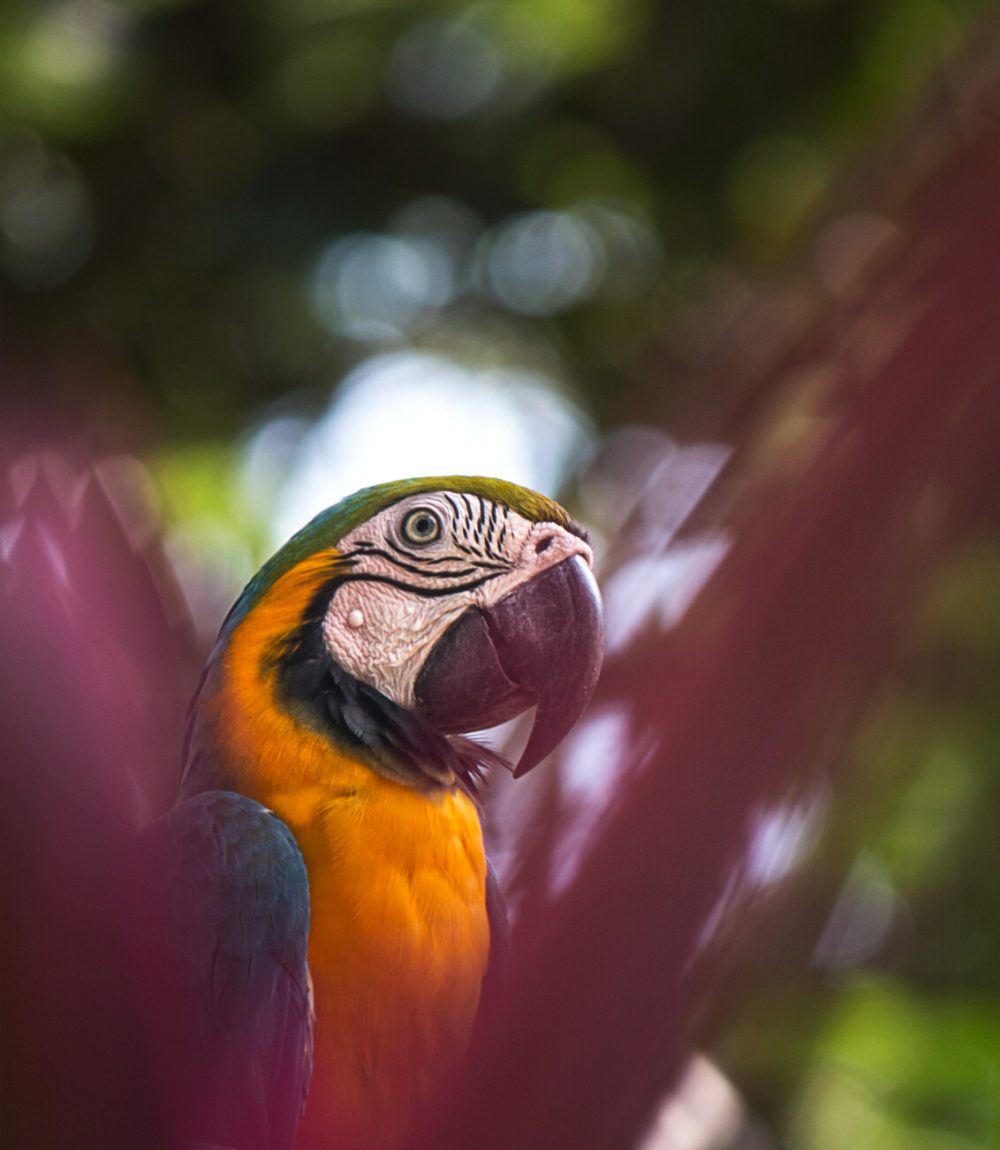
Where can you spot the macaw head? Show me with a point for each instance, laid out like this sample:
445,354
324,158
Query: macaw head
415,612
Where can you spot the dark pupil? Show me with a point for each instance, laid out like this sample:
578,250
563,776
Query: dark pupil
423,526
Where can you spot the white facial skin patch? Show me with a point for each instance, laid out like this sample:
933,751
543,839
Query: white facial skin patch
420,564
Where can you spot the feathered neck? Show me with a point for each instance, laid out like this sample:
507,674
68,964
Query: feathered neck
293,680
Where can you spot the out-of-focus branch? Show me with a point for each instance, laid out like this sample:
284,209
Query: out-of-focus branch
763,678
94,676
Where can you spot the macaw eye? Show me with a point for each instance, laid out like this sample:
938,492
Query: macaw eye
421,526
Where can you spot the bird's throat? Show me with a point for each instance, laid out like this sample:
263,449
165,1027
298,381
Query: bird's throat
399,935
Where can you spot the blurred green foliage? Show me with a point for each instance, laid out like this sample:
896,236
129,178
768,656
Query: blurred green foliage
170,172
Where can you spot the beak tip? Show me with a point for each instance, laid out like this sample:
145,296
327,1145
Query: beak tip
524,764
566,689
541,645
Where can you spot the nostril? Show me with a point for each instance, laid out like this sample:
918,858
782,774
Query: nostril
544,544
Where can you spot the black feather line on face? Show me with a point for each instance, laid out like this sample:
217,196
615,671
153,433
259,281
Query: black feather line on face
430,568
415,556
357,718
422,592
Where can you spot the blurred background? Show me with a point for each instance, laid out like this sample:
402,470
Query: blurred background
254,256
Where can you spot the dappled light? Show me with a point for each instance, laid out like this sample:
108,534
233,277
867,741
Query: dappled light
425,414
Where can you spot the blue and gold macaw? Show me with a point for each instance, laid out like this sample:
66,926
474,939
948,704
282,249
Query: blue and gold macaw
328,830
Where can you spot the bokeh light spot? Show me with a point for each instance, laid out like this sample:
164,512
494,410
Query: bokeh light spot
541,263
370,287
444,70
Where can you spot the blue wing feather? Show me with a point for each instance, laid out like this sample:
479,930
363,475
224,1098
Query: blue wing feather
226,921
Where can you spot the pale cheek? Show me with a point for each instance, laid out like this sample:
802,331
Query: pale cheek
379,638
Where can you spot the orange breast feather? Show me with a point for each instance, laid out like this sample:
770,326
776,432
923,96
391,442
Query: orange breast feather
399,935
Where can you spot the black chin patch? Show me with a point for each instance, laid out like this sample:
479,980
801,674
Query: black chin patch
358,719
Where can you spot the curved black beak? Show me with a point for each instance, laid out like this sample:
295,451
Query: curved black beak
540,646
